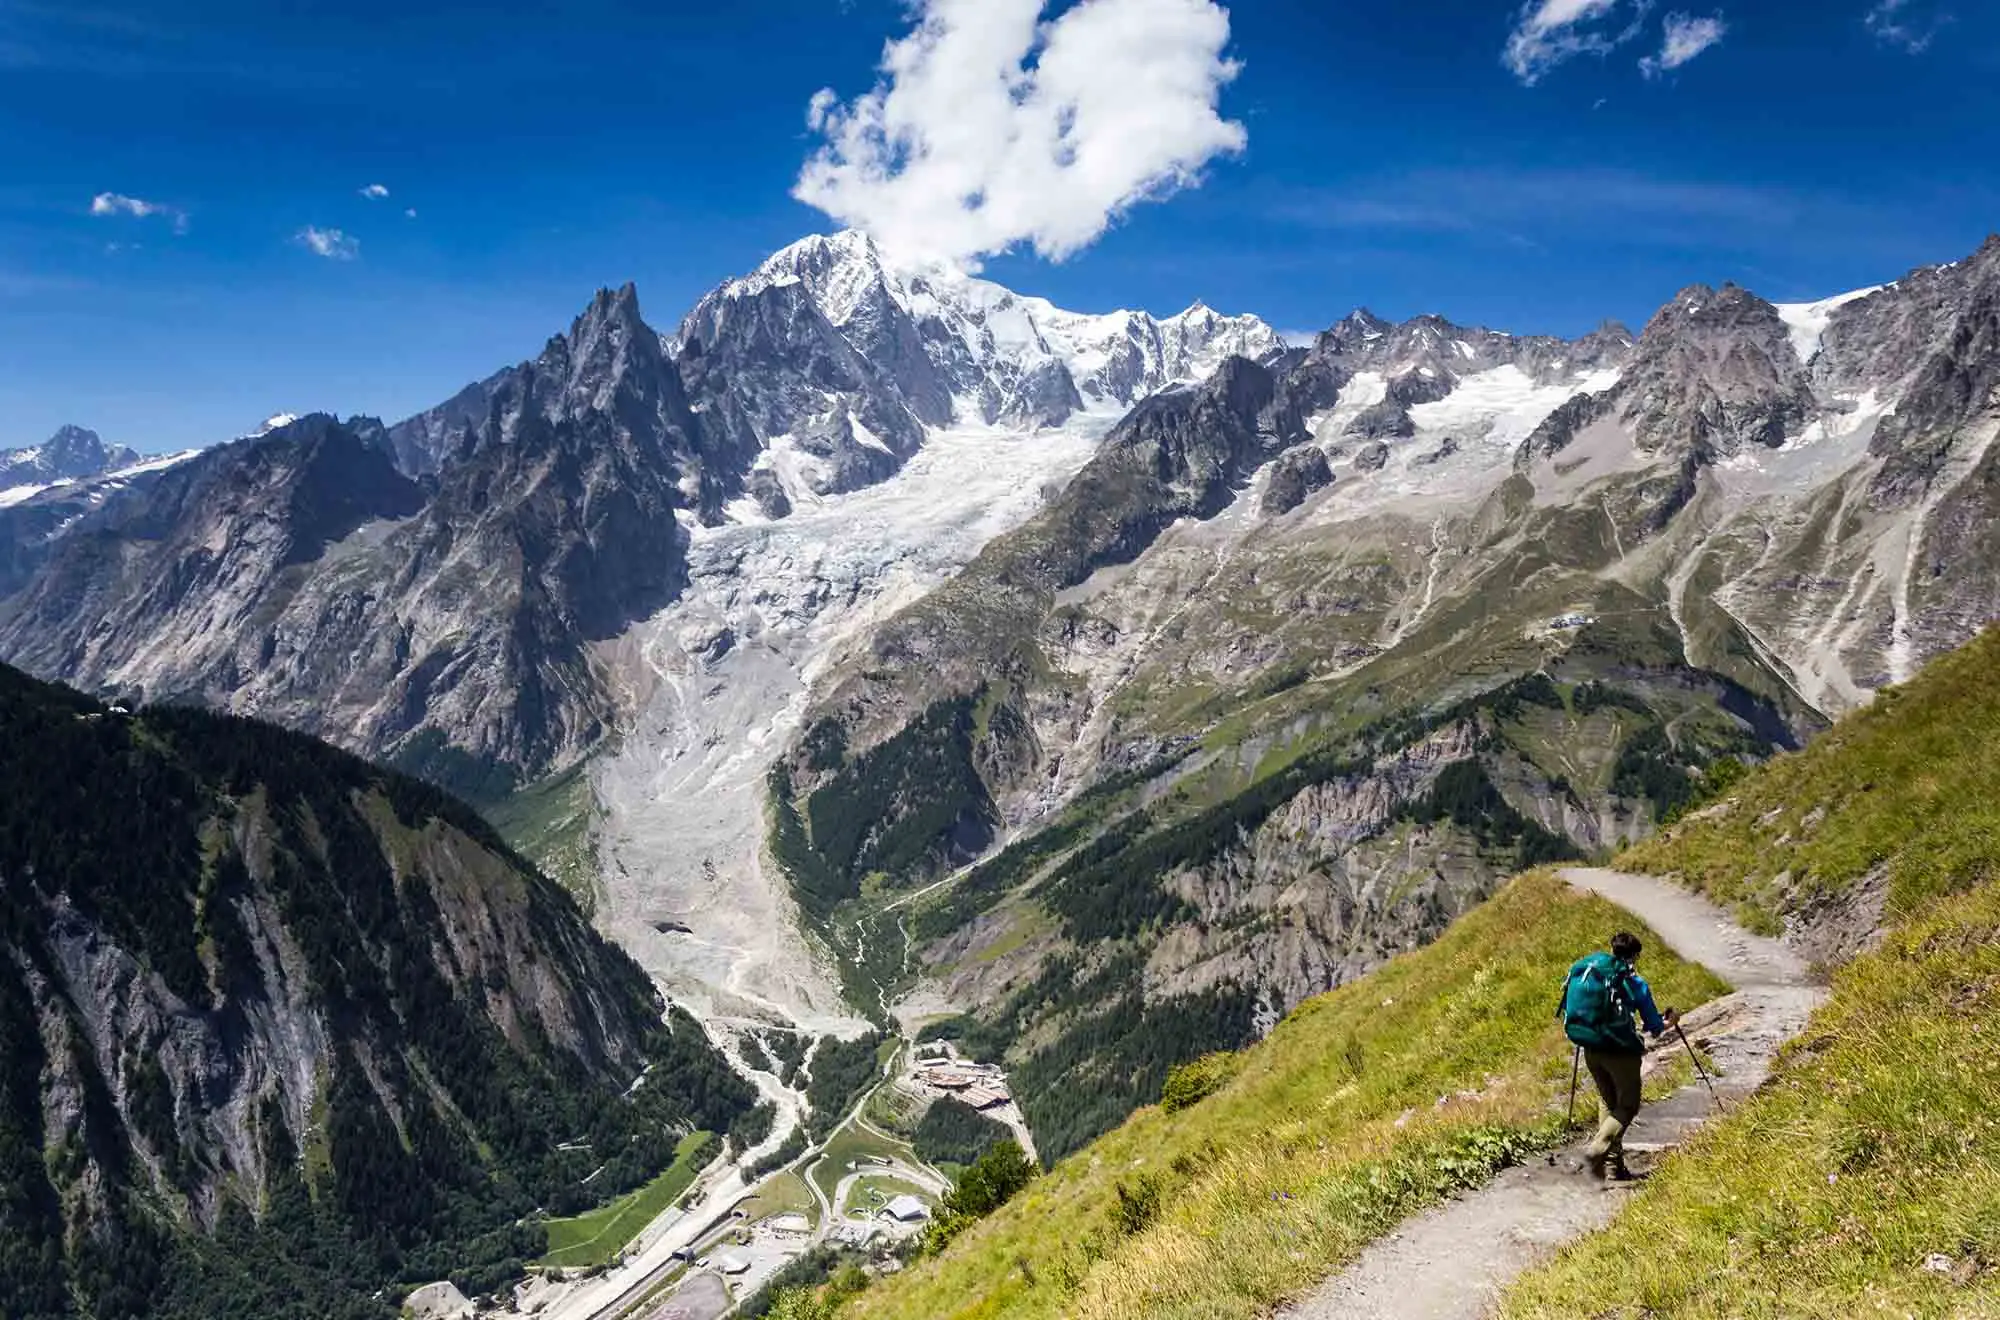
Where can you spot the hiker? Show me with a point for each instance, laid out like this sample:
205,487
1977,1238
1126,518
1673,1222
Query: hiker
1600,995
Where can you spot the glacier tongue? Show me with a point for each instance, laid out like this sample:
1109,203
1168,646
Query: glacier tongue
717,685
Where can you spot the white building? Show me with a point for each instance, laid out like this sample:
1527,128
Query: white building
907,1209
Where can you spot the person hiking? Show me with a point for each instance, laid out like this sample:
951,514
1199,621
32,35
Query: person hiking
1600,995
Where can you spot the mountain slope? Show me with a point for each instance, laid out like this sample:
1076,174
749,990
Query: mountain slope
1859,1176
299,576
1360,1107
1864,1177
1239,748
280,1028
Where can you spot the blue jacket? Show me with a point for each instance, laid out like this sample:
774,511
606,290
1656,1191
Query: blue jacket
1619,1037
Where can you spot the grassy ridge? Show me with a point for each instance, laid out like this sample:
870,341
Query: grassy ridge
1877,1146
1363,1106
1910,786
594,1238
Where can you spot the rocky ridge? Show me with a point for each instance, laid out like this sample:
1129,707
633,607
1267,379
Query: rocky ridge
71,454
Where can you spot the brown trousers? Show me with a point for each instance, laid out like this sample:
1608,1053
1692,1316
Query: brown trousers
1617,1078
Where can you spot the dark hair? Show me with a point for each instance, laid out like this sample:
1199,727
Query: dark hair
1625,946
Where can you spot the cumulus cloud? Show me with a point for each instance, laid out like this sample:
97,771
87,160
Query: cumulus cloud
375,192
1903,24
111,203
1686,37
1550,32
332,244
990,128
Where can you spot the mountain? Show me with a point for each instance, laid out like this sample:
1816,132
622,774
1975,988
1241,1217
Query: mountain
438,592
280,1029
883,640
70,454
299,575
1306,660
1435,1085
829,362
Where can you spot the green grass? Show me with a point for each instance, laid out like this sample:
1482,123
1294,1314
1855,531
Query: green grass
851,1144
1328,1135
1910,786
550,824
785,1193
1877,1144
597,1237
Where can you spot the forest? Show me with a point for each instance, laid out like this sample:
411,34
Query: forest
121,824
953,1132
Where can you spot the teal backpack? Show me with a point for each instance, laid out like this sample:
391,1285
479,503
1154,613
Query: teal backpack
1595,1010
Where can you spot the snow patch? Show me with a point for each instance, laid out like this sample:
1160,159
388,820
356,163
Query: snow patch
1503,406
1808,321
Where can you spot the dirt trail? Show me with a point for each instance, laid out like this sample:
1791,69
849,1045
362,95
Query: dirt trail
1451,1262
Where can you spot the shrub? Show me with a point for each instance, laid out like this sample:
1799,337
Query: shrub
1198,1079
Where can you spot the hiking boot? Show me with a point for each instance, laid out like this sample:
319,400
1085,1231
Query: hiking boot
1619,1173
1596,1163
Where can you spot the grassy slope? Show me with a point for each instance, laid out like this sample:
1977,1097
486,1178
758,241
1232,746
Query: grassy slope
597,1237
1878,1145
1362,1106
1910,785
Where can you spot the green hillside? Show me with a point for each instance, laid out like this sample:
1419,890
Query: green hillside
283,1033
1866,1179
1362,1106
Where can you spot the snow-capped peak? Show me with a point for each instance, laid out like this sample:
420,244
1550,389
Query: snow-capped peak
958,347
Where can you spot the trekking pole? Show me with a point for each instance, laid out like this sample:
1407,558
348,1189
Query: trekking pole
1575,1067
1701,1071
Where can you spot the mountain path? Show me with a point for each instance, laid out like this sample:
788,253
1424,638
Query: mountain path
1452,1262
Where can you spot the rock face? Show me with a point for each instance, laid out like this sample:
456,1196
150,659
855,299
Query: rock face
821,370
70,454
1294,477
434,592
301,576
267,977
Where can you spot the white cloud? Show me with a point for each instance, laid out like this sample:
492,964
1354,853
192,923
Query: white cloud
375,192
1894,23
990,128
410,213
111,203
332,244
1686,37
1549,32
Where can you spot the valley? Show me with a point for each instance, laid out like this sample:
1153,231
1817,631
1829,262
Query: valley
884,656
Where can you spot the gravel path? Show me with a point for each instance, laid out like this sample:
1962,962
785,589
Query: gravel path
1450,1263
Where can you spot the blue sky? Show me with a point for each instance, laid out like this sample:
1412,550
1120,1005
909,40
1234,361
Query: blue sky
1379,155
